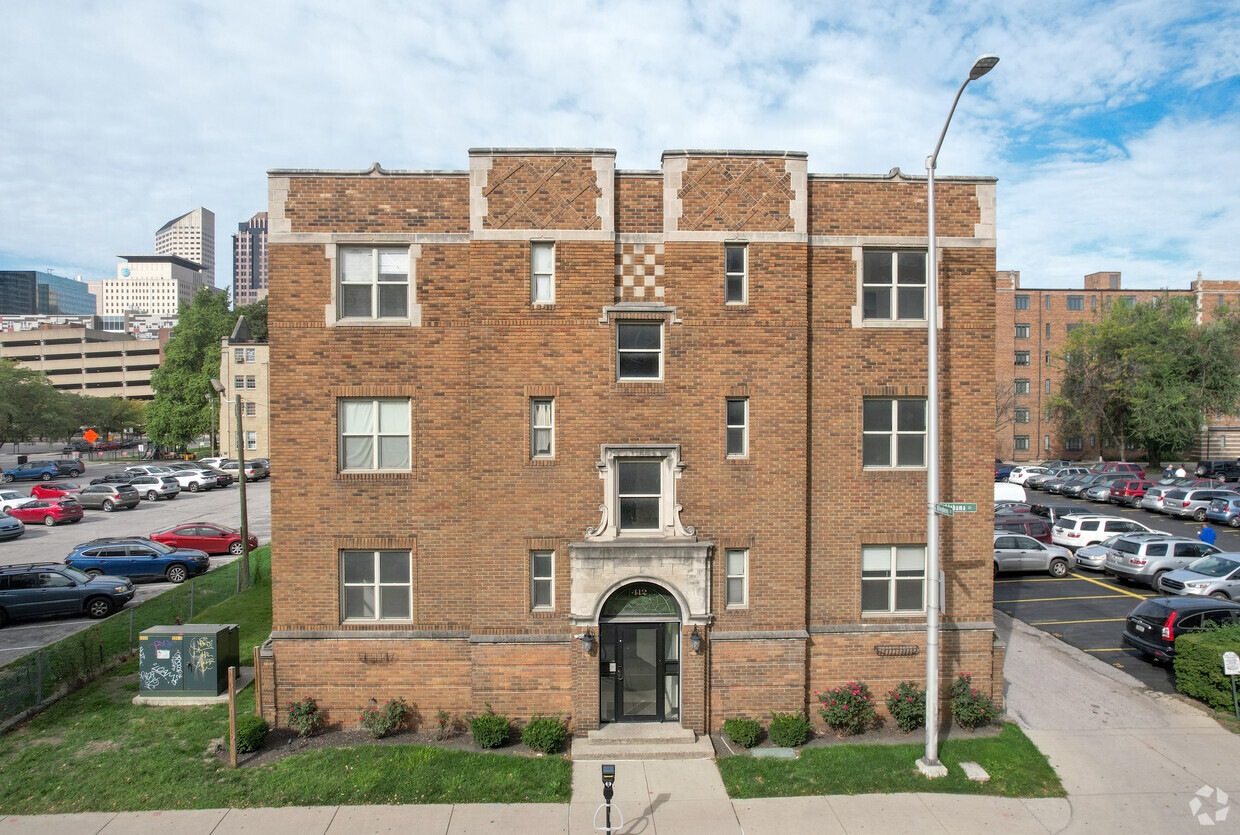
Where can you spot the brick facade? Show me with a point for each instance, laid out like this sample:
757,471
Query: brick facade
473,501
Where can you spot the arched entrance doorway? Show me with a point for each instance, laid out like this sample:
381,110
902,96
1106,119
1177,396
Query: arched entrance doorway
639,655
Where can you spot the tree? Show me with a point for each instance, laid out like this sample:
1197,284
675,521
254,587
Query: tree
1149,374
180,410
26,399
256,316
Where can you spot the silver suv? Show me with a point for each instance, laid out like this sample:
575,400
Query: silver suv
1145,558
1217,576
1193,503
1014,552
155,487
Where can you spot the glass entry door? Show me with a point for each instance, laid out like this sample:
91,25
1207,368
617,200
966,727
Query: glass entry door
639,672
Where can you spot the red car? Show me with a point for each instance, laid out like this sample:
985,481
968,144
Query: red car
54,490
204,536
1129,492
48,511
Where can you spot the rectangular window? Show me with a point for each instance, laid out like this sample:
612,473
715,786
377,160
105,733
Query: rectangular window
1071,326
1074,443
374,283
893,285
1022,442
737,579
1048,330
1022,330
1076,303
250,382
1022,386
1022,357
239,382
736,274
542,427
542,580
893,578
249,355
376,585
251,409
737,422
1048,302
374,435
640,492
1046,442
893,433
251,439
239,355
1022,415
1093,302
1022,302
1047,386
639,350
542,273
1047,415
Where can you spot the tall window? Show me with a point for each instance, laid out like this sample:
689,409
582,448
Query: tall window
250,382
1022,415
893,285
374,434
542,579
376,585
893,578
1048,357
374,283
542,427
738,427
1022,330
1048,330
251,439
1047,386
639,350
1076,303
251,409
238,355
1021,443
1022,357
640,485
1022,301
542,273
1022,386
249,355
737,579
735,274
239,381
893,433
1046,442
1048,302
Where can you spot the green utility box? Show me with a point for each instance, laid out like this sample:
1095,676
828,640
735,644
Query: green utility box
189,660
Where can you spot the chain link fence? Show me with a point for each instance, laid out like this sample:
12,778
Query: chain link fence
27,683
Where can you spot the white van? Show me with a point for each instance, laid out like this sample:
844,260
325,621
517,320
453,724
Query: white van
1005,492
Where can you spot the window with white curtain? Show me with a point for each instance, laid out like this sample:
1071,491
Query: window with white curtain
374,434
374,283
542,273
376,585
542,427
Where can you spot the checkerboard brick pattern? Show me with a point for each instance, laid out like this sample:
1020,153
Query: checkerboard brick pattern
639,273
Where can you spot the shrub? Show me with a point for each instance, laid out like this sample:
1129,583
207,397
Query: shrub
443,724
1198,665
907,706
849,709
789,730
251,732
970,708
744,732
381,721
304,716
545,733
489,730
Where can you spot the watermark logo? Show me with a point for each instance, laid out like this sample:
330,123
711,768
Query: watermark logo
1201,806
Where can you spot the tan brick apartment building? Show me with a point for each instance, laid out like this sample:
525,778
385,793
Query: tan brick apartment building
626,445
1032,326
245,370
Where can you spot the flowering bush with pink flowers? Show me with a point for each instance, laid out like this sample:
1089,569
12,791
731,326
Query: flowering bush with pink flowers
907,706
848,710
970,708
382,720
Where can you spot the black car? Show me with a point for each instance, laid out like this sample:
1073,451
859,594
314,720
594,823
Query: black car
114,478
1152,627
70,467
1053,511
1224,471
78,445
36,590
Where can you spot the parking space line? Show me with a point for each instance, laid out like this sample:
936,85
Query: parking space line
1110,587
1052,599
1043,579
1060,622
1106,650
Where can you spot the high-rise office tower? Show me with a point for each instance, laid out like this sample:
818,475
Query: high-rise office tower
250,260
192,237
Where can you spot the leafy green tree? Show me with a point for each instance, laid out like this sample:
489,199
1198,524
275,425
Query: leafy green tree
179,411
255,316
26,399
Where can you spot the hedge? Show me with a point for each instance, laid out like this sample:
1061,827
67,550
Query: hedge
1199,665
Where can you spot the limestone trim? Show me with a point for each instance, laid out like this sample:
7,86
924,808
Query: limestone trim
598,569
858,256
375,634
759,635
671,528
277,196
849,628
897,241
320,238
602,162
520,639
986,202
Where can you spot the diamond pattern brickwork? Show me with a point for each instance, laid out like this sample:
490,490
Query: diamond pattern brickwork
542,193
639,272
728,195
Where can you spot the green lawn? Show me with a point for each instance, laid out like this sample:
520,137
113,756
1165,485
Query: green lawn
96,751
1017,769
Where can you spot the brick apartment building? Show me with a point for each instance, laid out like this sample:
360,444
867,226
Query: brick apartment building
1032,326
626,445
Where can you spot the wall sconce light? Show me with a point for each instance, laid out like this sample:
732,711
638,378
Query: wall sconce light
587,640
695,640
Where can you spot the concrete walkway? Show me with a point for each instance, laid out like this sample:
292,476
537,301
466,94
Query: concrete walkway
1131,760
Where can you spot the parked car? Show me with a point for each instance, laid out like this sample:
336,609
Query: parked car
108,497
265,463
12,498
156,487
1224,512
11,527
1055,465
1204,467
1225,471
1023,553
1143,558
149,469
222,479
107,446
1126,492
1101,490
122,477
48,511
204,536
194,480
1060,484
1094,556
54,489
1194,503
1118,467
1078,529
214,461
1217,576
1039,482
253,472
1154,624
1018,475
138,558
77,445
35,590
1027,524
1054,511
33,471
1153,498
1010,508
1078,486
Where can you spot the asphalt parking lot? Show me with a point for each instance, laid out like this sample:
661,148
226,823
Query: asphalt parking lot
1087,609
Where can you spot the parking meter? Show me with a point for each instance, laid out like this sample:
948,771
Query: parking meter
609,780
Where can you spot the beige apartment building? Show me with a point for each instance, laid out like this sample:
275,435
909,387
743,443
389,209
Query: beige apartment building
1032,326
150,284
244,364
86,360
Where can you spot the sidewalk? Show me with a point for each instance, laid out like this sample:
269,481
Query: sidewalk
1130,759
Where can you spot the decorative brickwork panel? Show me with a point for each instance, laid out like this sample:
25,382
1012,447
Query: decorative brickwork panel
542,193
639,273
379,204
729,195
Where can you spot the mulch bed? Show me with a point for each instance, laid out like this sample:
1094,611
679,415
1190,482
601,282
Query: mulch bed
883,734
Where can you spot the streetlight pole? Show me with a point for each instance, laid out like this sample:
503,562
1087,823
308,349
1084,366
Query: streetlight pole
243,568
211,409
929,764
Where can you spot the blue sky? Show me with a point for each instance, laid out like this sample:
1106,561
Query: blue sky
1114,128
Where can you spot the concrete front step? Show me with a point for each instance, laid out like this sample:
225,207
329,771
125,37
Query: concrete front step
653,741
653,733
